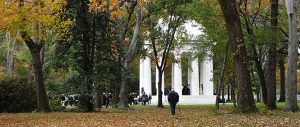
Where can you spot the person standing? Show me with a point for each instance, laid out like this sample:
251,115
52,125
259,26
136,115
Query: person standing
144,99
173,99
149,98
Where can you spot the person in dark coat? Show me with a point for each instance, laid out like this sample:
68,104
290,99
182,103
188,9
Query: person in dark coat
144,99
173,98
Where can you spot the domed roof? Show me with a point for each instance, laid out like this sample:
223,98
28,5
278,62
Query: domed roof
190,29
193,29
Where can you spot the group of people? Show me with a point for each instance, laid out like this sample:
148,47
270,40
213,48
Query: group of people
135,99
186,90
71,100
106,99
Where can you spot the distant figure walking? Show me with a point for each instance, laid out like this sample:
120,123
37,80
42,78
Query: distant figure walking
173,98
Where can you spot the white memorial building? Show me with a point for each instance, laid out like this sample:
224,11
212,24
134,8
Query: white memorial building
199,74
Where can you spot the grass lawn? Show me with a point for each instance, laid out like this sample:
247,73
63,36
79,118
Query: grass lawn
141,116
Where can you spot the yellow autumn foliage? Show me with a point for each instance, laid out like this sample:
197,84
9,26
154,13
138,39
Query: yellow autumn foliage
2,72
36,17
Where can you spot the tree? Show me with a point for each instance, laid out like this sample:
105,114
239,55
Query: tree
221,80
291,84
126,56
249,13
84,40
162,28
122,13
245,96
271,60
91,44
33,19
282,78
38,72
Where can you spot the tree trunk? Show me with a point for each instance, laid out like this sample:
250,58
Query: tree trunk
257,61
234,30
42,100
270,73
221,80
42,54
97,99
10,54
228,92
88,81
123,103
233,98
30,70
282,80
261,75
291,86
258,95
115,97
160,74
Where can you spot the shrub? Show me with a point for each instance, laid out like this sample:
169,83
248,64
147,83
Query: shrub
55,104
17,95
262,108
85,103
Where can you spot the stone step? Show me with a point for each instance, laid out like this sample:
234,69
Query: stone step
189,99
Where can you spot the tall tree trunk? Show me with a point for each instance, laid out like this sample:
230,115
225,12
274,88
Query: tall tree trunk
35,48
228,92
260,72
97,99
88,71
282,79
30,70
221,80
256,60
270,73
88,81
123,103
9,55
291,86
223,94
234,30
233,97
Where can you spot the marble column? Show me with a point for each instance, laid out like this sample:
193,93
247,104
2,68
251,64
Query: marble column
177,79
141,81
195,77
145,75
201,78
207,68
